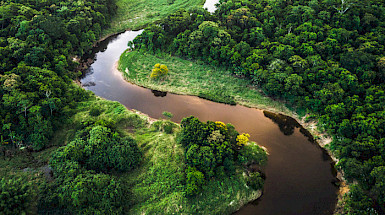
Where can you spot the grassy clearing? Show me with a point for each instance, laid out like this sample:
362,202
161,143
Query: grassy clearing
158,185
135,14
194,78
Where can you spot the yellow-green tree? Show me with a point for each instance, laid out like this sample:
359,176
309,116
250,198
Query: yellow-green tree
242,139
159,71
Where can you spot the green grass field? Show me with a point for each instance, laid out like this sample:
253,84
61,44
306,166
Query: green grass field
135,14
194,78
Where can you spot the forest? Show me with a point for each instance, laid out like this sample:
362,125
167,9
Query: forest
65,151
322,57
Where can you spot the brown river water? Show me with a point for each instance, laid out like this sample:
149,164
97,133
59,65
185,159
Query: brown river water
300,176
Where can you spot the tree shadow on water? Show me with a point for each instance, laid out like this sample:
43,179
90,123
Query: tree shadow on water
158,93
287,124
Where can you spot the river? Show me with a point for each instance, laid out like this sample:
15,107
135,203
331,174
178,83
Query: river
299,175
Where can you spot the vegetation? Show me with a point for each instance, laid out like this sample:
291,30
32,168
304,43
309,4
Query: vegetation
38,40
160,184
66,151
17,195
136,14
193,78
90,168
159,71
321,55
167,114
212,150
86,171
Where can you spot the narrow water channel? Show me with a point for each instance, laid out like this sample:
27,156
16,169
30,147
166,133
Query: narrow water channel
299,174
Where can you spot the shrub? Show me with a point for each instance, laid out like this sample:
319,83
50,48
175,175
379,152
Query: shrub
159,71
217,97
242,139
252,153
194,181
17,196
255,181
164,126
99,149
95,111
167,114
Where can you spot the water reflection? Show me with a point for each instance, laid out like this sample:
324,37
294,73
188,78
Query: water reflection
298,176
286,124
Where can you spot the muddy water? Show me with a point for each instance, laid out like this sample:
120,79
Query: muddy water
299,175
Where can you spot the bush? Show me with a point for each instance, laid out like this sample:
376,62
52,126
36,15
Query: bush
79,168
164,126
243,139
212,149
17,196
252,153
167,114
255,181
99,149
194,181
217,97
85,193
159,71
95,111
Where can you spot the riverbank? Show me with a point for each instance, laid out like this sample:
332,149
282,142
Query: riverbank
158,183
136,14
194,78
191,78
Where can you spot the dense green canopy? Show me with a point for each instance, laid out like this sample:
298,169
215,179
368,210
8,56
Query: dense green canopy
38,41
323,56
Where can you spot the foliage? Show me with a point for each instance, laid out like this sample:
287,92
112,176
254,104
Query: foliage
165,126
17,195
159,184
99,148
252,153
323,56
80,167
210,149
242,139
195,180
159,71
195,79
167,114
38,42
136,14
255,181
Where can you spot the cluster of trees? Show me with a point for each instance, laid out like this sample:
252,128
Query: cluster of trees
84,173
38,41
39,45
17,195
213,149
326,56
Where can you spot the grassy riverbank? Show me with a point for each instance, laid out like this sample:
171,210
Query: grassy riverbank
158,183
134,14
194,78
191,78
